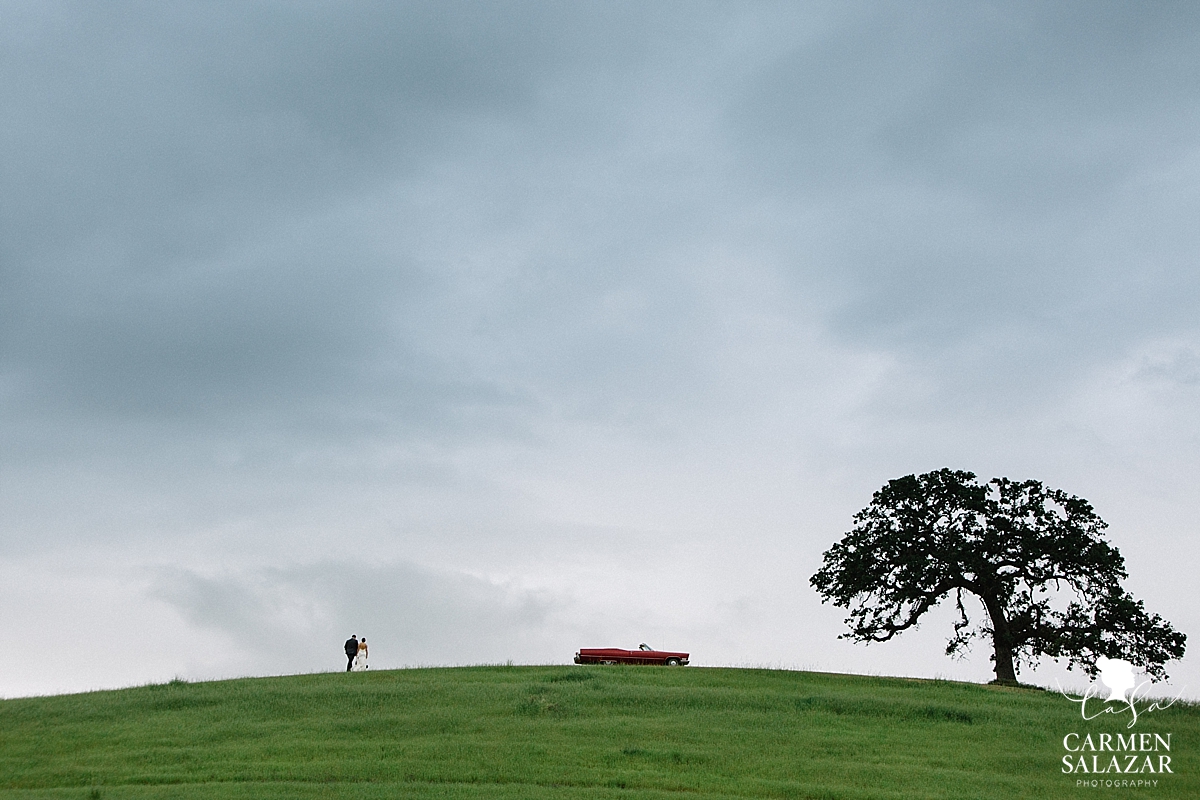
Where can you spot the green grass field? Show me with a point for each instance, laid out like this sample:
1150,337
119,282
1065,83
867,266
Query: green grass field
565,732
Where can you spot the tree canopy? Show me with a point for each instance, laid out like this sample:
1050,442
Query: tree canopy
1035,557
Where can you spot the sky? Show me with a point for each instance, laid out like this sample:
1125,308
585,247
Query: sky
490,331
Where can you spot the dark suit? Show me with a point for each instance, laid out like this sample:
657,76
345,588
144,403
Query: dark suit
351,652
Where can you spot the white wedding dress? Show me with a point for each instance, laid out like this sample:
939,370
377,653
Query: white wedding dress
360,660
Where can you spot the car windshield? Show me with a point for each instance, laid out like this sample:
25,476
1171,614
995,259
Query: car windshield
644,646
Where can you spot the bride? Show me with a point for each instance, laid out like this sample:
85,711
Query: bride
360,660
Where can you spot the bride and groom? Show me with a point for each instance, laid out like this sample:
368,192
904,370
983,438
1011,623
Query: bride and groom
356,654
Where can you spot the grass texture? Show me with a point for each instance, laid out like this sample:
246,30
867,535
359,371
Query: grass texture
624,733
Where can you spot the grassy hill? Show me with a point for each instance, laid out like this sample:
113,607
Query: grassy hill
565,732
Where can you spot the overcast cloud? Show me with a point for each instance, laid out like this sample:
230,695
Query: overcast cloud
491,331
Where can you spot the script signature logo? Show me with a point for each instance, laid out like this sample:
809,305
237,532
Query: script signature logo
1117,675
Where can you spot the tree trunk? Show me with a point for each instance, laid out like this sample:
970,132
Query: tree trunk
1006,672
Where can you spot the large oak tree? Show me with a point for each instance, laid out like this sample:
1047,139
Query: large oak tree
1049,584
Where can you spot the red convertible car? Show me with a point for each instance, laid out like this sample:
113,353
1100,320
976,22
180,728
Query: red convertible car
645,654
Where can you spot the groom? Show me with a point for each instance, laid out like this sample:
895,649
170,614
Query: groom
351,650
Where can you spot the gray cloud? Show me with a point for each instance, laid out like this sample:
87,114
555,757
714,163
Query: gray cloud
989,171
284,620
571,295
